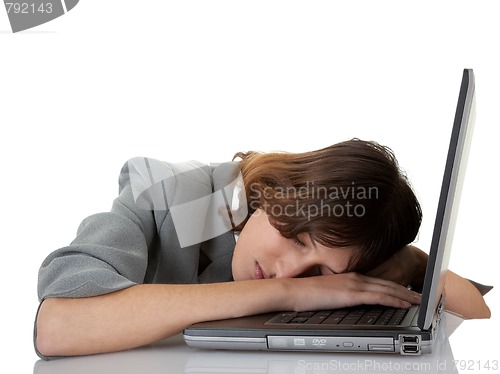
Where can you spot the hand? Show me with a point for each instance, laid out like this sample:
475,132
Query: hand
348,289
406,267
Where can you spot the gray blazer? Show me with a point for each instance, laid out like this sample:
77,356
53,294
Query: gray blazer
144,239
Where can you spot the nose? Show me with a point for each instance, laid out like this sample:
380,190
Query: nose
293,264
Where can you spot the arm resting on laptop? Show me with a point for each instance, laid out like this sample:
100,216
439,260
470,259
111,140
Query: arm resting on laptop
143,314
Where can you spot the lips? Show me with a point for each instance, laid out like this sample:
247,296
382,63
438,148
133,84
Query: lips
258,272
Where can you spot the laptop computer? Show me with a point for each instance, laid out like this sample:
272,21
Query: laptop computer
366,328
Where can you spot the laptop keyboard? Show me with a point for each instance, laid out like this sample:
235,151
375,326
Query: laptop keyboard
349,316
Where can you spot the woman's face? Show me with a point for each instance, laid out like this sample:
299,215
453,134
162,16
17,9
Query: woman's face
262,252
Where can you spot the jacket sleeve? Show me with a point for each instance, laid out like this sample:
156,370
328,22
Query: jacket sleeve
109,253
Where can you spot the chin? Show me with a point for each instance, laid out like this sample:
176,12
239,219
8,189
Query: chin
236,275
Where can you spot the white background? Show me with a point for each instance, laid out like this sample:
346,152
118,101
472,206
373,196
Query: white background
180,80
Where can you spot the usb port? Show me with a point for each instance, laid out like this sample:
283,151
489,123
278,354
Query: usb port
410,339
410,349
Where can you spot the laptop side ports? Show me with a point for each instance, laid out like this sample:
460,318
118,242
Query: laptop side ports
410,344
412,339
410,349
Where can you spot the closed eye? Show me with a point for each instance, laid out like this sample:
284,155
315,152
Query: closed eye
299,242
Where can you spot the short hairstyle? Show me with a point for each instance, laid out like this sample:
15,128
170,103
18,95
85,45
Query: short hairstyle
351,194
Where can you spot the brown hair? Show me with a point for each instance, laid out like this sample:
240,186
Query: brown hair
351,194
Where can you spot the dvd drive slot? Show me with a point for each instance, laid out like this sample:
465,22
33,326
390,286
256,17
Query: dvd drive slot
329,343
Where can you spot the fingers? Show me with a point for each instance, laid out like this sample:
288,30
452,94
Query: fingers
380,298
381,281
380,291
373,298
350,289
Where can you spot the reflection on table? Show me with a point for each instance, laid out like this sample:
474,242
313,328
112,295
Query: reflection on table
173,356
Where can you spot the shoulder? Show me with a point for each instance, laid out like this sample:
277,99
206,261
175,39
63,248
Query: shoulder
225,173
153,170
179,181
143,172
148,171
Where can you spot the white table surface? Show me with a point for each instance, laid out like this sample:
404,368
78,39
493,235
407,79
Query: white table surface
173,356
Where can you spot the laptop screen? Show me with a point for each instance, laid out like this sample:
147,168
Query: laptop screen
447,210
